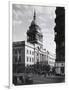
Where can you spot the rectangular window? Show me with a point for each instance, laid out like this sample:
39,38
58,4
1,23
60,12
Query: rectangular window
19,51
19,58
15,51
30,51
27,59
30,59
27,51
15,59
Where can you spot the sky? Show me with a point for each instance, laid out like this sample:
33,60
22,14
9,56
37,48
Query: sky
22,16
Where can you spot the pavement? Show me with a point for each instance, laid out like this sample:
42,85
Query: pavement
41,79
37,79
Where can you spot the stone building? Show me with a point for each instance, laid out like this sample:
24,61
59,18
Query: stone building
60,39
29,52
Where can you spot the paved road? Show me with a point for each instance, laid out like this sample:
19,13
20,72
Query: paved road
41,79
50,79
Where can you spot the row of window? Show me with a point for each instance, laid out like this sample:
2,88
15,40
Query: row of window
16,59
29,59
17,51
30,52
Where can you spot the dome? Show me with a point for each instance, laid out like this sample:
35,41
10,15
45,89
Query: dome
34,34
34,27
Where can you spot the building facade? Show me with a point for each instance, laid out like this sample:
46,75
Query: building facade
30,52
60,39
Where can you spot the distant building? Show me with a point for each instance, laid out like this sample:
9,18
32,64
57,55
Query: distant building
60,39
51,59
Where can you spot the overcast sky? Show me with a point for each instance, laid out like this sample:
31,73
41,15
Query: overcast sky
22,16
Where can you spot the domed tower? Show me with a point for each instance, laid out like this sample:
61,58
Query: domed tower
34,34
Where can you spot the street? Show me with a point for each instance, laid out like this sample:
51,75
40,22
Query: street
40,79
